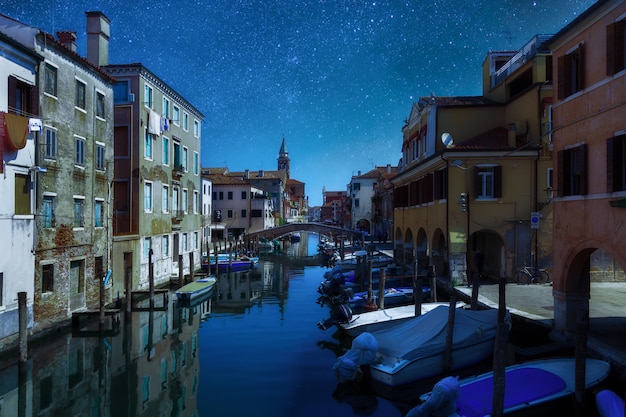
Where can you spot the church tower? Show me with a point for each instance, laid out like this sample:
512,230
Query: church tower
283,158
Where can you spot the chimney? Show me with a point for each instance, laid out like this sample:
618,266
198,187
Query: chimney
512,138
68,39
260,173
98,32
388,168
246,174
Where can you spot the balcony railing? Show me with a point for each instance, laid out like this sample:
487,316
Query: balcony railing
177,216
524,55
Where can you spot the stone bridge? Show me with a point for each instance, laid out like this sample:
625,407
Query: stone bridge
327,230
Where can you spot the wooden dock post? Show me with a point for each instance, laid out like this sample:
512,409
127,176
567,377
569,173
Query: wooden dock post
475,286
23,327
582,326
499,354
151,278
417,294
181,271
102,316
191,268
381,288
447,354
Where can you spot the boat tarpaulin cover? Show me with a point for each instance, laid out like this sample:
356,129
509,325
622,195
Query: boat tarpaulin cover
425,335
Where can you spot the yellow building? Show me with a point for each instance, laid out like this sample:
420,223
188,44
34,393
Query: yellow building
474,173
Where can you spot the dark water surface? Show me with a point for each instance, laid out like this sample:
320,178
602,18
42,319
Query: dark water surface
252,349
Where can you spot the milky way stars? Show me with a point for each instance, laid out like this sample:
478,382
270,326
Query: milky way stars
336,78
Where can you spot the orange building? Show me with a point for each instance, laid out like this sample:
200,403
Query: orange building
589,138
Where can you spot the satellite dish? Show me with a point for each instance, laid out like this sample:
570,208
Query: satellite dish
447,139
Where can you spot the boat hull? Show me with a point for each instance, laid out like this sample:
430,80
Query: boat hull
196,289
397,371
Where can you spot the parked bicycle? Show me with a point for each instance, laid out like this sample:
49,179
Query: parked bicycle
531,275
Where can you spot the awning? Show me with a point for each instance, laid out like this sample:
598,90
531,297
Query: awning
16,131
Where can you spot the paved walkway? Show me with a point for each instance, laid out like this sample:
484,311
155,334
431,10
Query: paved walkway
607,312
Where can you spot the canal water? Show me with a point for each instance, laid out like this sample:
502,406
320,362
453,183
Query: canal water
251,349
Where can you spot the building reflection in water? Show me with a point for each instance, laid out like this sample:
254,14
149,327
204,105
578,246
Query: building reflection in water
149,365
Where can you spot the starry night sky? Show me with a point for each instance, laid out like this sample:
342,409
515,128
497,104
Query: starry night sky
336,78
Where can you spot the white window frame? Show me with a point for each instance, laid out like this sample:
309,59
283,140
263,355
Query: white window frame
185,200
148,96
83,143
99,202
165,198
196,163
165,246
147,245
148,196
148,147
196,128
76,198
165,154
50,135
176,115
166,107
100,163
196,200
185,121
183,158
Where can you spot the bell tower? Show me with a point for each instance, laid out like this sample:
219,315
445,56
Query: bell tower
283,158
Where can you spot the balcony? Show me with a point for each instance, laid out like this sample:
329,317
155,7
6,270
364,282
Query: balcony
177,216
524,55
177,172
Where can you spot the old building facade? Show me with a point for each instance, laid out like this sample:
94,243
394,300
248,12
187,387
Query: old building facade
589,137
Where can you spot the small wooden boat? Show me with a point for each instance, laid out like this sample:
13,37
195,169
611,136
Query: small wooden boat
527,385
382,319
195,289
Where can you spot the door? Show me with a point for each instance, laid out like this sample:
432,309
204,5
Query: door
77,284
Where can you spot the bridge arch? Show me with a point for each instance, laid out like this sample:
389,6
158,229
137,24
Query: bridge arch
287,229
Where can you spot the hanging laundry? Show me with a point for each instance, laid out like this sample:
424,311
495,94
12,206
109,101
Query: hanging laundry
165,124
154,123
34,125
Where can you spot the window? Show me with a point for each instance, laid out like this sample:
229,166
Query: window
184,159
166,108
165,246
356,186
356,202
185,200
615,47
244,213
185,121
48,211
22,194
166,151
148,145
148,98
616,164
147,248
572,171
176,115
196,241
147,196
571,72
196,128
98,267
196,201
23,98
121,92
100,156
51,143
178,164
230,195
165,199
175,199
221,194
185,242
50,80
79,212
196,163
79,149
47,278
80,100
487,181
99,213
229,214
100,105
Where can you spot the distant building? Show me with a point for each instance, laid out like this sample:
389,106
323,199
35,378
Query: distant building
335,209
370,196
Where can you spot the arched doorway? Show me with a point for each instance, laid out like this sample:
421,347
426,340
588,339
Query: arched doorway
491,246
439,254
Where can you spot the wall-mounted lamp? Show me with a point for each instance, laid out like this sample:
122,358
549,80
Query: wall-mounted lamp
549,194
38,169
463,201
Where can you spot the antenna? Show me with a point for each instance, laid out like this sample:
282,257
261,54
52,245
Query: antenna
447,140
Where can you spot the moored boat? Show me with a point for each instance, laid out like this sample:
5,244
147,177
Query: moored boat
527,386
195,289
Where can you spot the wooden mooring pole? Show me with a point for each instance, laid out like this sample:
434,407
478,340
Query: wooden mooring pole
582,326
447,354
475,286
381,288
22,327
191,267
499,354
417,295
151,278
